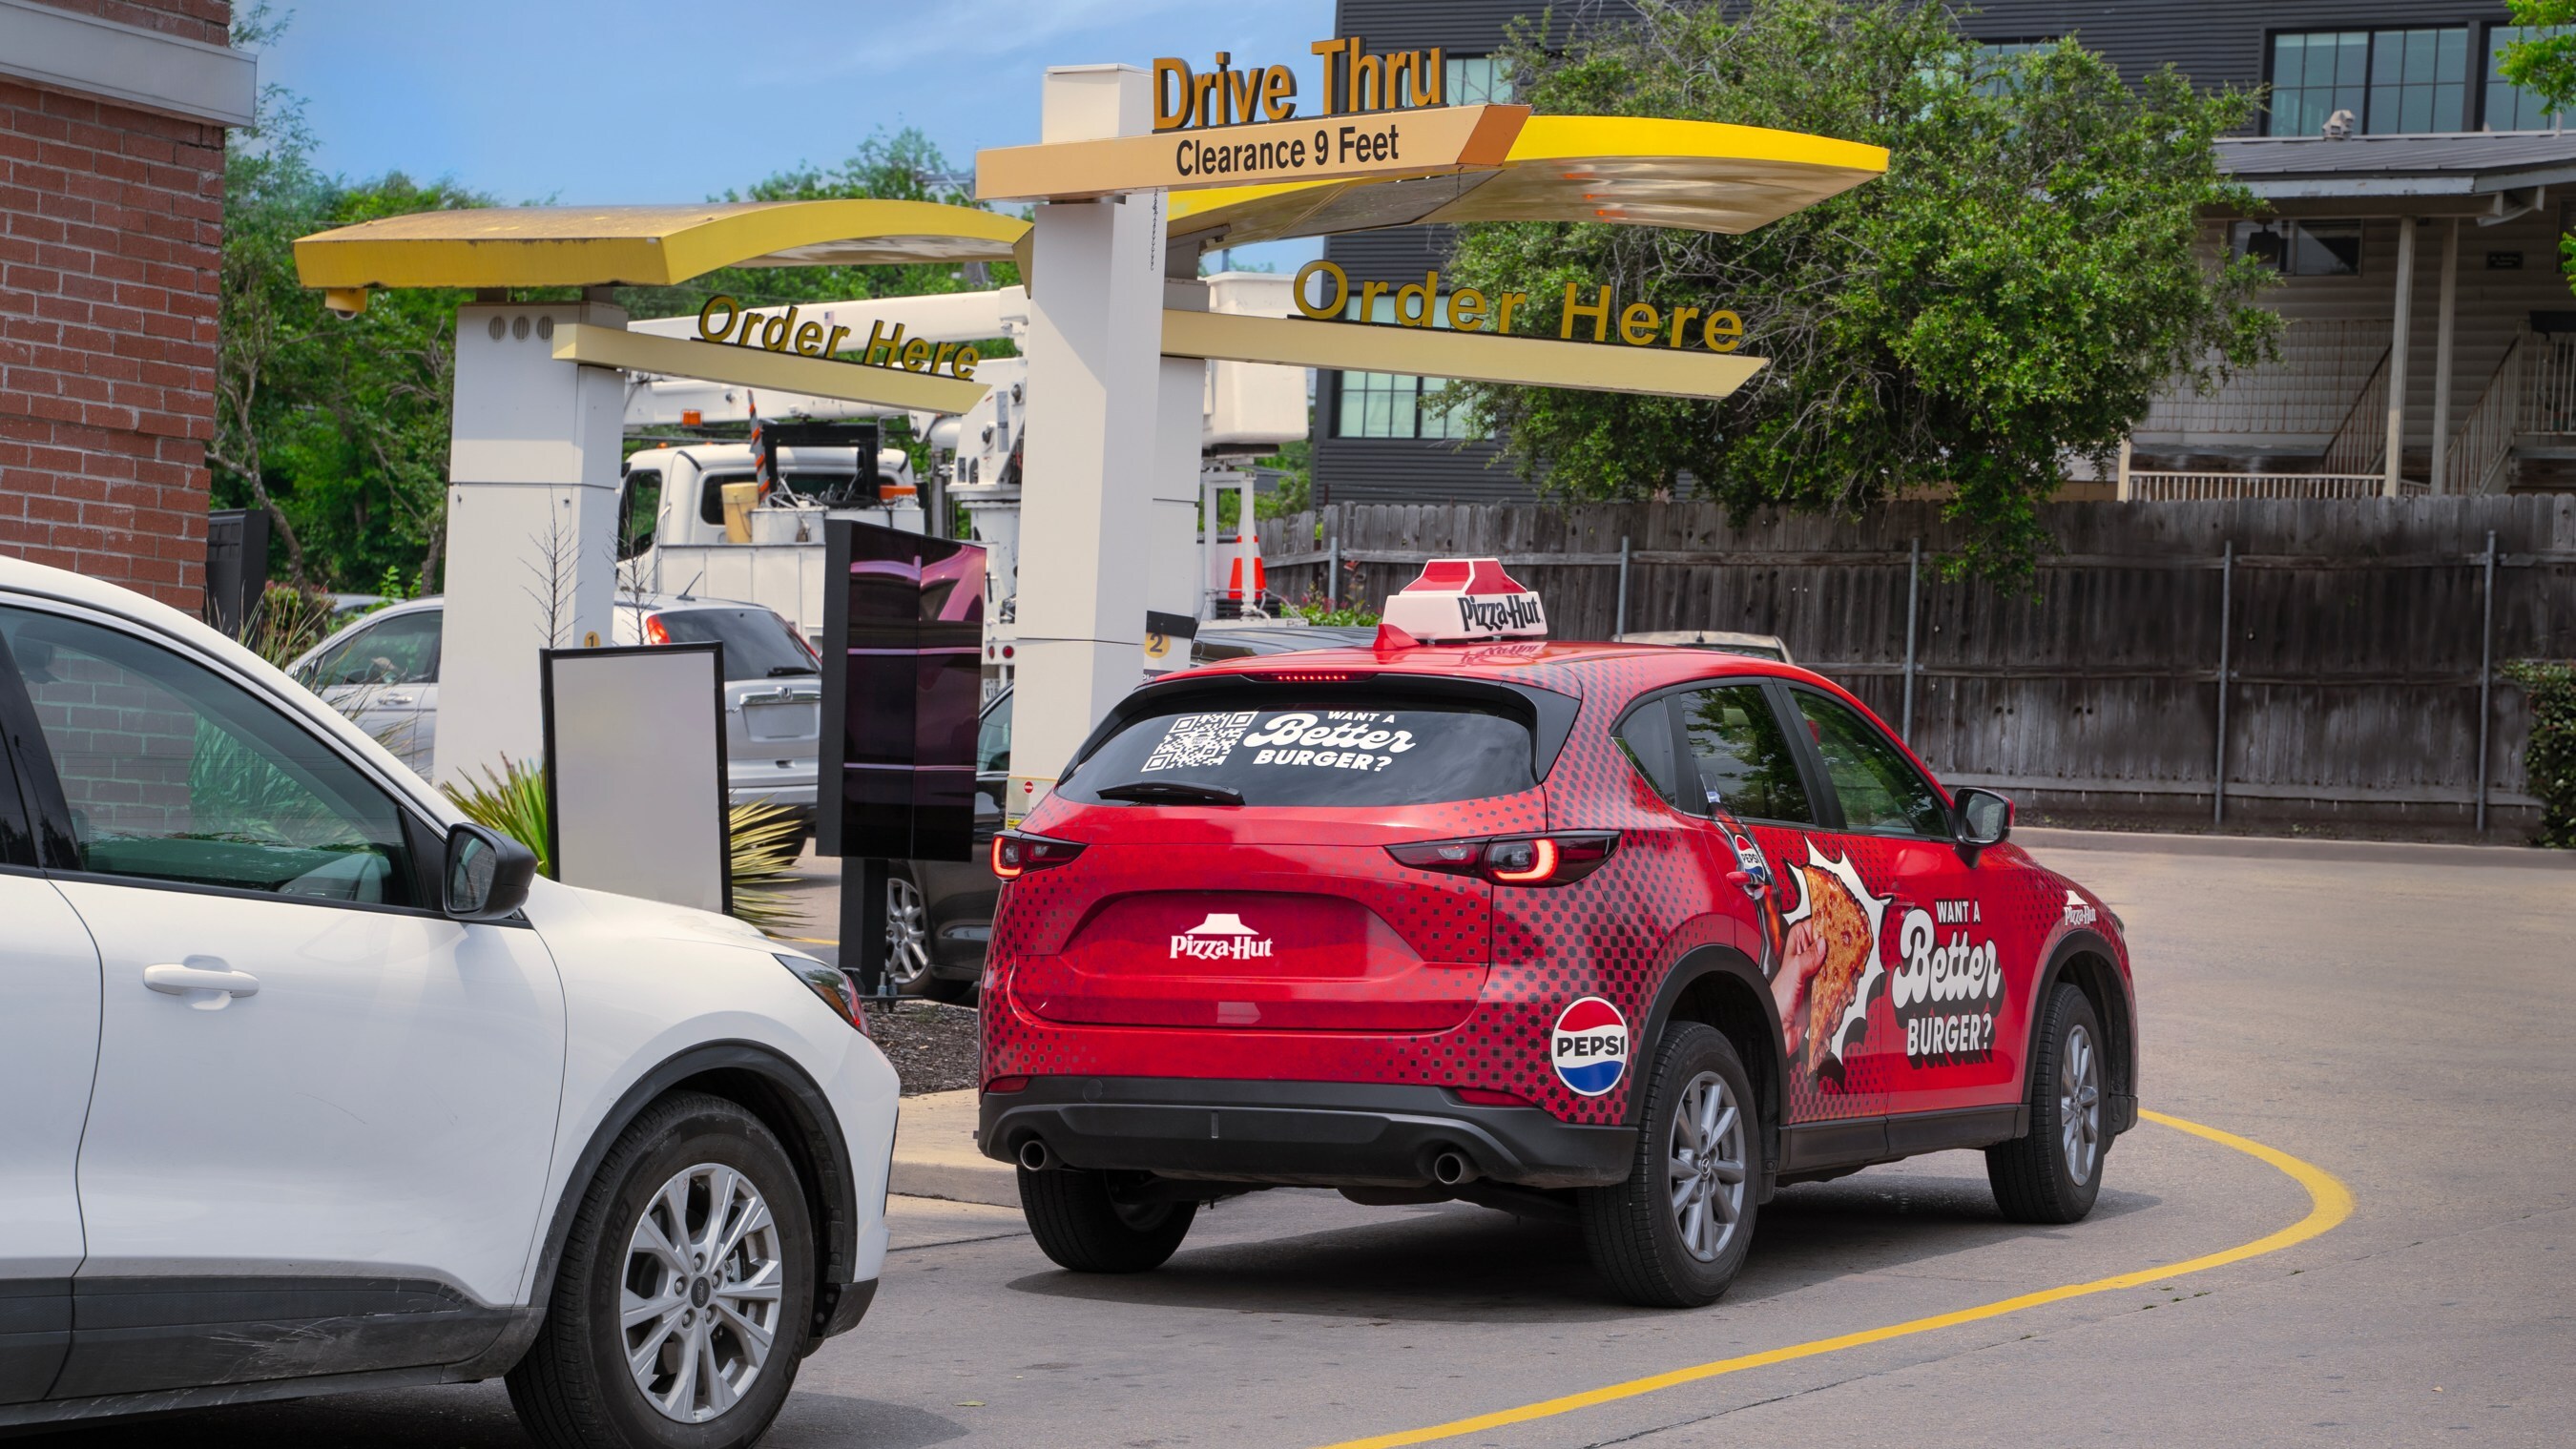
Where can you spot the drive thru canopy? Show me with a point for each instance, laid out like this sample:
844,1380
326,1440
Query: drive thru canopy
536,446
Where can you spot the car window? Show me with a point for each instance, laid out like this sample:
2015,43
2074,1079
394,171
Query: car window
757,643
1880,790
174,773
993,739
1310,748
1647,736
639,511
1744,760
399,650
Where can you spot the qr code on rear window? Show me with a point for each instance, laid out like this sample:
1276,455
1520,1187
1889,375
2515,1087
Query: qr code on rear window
1195,741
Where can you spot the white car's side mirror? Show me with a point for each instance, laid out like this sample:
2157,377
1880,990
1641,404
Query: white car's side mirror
487,874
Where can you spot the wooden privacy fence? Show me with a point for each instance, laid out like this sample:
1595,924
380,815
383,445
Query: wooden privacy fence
2267,663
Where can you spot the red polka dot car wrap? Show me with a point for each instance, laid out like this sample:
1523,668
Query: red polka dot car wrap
1915,967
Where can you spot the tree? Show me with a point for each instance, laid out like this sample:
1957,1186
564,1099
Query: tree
2007,297
2544,64
338,428
904,166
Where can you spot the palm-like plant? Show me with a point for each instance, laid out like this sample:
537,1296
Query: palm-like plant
762,839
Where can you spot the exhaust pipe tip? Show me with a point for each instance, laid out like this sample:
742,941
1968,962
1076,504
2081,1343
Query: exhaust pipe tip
1034,1155
1450,1168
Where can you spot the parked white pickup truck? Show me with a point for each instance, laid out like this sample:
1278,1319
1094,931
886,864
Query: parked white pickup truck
674,541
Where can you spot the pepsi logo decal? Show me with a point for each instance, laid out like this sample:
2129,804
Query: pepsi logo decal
1589,1047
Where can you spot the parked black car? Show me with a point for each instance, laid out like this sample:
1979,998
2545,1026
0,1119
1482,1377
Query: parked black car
939,913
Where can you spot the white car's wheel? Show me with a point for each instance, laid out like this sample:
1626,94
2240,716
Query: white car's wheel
685,1294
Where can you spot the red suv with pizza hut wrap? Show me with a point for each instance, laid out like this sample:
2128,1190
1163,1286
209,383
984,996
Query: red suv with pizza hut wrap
1626,933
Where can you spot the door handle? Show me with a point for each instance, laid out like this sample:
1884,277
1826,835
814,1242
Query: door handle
396,699
184,980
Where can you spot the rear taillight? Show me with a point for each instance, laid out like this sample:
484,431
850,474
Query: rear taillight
1304,676
829,984
1517,860
1015,854
654,633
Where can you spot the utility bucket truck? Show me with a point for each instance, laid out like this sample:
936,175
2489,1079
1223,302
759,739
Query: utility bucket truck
832,461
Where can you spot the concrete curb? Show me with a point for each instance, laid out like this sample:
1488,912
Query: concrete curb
982,1180
2277,847
935,1155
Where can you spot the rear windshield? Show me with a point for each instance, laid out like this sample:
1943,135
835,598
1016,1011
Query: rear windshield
1401,751
756,642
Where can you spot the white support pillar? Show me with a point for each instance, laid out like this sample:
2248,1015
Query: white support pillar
531,525
2399,340
2443,318
1094,350
1180,416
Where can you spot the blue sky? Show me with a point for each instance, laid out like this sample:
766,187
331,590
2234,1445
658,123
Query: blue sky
580,101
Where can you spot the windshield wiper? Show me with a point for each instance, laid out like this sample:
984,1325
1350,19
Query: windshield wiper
776,670
1171,792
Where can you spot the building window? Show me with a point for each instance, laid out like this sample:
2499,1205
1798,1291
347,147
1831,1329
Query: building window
1476,80
2301,248
1995,61
2395,82
2509,106
1384,405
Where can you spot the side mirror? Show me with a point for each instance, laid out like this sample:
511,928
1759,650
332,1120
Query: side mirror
487,874
1980,818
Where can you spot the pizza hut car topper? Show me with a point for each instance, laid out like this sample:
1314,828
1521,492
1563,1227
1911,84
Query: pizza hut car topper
1466,598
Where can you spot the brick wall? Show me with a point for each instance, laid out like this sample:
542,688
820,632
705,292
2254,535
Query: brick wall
110,219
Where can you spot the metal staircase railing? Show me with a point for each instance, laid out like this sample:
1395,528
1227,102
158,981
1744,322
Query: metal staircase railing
2360,442
2483,443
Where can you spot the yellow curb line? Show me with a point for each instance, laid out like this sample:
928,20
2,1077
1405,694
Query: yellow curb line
2330,1202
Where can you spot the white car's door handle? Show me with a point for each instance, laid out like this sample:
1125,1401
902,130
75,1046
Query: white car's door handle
180,980
396,699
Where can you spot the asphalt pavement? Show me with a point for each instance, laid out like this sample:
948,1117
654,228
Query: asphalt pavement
2401,1021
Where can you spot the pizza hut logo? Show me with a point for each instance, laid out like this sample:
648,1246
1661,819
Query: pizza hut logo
1465,598
1220,938
1499,614
2080,912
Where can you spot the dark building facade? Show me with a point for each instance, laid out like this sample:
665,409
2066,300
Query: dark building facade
2417,69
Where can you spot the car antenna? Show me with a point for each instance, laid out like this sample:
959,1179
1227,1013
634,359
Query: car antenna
694,581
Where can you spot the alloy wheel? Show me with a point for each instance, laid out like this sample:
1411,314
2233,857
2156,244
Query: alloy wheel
703,1287
907,932
1705,1167
2079,1104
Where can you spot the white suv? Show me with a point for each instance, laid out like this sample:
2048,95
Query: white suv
307,1085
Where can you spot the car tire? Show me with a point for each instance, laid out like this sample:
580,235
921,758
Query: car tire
1083,1227
2053,1173
575,1390
1654,1248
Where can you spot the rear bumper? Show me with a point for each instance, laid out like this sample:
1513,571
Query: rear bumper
1312,1134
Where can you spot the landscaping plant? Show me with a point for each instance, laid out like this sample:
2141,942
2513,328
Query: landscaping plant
762,839
2549,761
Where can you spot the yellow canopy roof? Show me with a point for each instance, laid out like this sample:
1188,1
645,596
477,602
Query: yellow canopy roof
1698,175
583,246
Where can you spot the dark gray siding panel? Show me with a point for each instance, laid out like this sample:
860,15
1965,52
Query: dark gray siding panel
1463,27
1397,252
1400,470
2215,42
